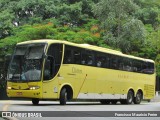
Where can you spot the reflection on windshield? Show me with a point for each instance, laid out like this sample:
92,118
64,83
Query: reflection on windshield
26,63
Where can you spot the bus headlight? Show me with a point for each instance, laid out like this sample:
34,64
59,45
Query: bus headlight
9,88
34,87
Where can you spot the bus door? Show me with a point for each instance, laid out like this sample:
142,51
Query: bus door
51,68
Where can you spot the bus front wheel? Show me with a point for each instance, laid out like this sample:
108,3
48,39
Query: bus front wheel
35,101
63,96
130,98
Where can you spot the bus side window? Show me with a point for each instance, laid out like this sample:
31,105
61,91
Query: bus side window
77,56
53,61
144,67
134,67
90,58
138,66
107,63
83,58
120,63
127,64
68,55
87,58
48,69
113,62
100,60
150,68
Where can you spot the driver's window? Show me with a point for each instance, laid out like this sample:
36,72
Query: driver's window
53,61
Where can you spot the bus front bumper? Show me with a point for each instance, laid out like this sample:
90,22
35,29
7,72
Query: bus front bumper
24,93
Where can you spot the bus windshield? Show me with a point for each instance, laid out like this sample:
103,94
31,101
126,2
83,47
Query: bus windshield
26,63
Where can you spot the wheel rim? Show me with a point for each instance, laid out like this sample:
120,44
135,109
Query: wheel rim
65,96
139,97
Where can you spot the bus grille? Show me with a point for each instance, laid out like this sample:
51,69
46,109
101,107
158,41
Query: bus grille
150,91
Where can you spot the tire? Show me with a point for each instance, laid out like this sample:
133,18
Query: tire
35,101
130,98
105,102
138,98
63,96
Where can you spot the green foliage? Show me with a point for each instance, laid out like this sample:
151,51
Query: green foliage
119,25
150,15
91,23
70,13
133,36
63,29
47,31
5,23
158,64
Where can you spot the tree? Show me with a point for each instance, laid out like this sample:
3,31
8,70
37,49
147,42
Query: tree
70,14
21,12
5,23
149,13
121,28
6,18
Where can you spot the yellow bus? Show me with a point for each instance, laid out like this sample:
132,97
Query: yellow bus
60,70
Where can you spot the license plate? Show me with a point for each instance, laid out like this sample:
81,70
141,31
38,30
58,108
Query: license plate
19,93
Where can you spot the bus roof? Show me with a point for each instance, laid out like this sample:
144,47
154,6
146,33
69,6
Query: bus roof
86,46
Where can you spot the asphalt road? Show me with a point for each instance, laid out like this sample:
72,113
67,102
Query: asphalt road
80,110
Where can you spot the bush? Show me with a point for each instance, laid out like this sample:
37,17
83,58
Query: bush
91,23
63,29
49,30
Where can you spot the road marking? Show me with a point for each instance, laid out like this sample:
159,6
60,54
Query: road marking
5,108
6,105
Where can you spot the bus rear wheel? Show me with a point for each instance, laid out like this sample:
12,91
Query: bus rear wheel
138,98
130,98
63,96
35,101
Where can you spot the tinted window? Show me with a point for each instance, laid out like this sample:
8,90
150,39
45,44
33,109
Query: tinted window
113,62
101,60
137,67
68,56
87,58
53,61
148,68
72,55
120,62
75,55
127,64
